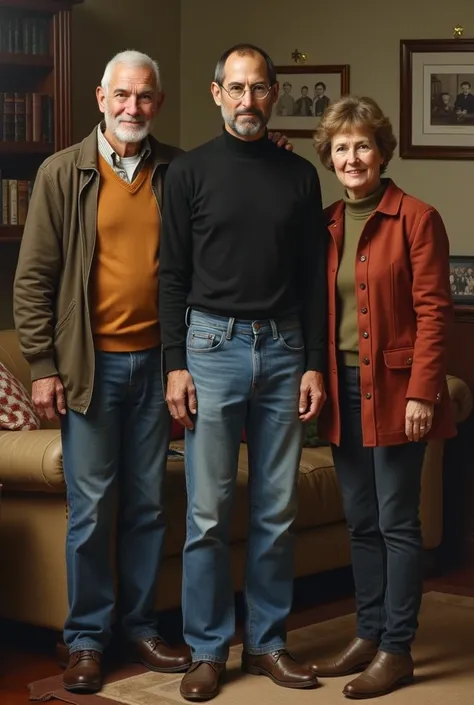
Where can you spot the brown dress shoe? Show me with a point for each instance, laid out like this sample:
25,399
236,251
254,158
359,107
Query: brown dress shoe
354,658
84,672
156,655
385,673
281,667
202,681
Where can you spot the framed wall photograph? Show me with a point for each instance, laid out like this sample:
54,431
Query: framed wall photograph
437,98
461,278
305,93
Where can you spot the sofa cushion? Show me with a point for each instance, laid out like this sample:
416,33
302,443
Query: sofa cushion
318,494
16,408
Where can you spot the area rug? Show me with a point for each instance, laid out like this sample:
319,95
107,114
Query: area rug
443,653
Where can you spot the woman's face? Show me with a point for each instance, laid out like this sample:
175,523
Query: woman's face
357,161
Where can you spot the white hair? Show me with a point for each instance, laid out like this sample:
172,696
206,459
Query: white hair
131,58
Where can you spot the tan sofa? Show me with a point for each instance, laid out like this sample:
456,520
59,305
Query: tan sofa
34,514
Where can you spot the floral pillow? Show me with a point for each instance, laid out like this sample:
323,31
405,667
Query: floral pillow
16,408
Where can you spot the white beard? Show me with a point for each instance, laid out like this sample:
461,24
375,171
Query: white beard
127,134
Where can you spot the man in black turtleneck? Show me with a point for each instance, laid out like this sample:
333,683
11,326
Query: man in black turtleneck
243,322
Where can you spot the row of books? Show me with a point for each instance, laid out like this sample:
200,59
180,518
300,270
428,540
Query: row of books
26,117
14,200
24,34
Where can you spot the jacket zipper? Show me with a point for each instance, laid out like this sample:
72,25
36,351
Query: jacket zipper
86,282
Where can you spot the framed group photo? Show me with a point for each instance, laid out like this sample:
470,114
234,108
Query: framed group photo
461,278
305,93
437,99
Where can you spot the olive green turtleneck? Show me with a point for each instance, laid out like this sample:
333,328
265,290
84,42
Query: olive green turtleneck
356,213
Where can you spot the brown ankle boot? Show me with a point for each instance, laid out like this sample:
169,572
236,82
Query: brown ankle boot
354,658
385,673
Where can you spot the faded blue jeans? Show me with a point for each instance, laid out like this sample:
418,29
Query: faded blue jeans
247,375
120,444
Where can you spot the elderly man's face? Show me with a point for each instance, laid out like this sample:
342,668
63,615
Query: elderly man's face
130,102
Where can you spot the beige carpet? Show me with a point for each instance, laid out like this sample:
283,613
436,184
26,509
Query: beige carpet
443,652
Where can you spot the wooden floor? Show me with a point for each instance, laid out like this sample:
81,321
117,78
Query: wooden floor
26,656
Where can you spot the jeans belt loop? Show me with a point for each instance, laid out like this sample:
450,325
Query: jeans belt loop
274,328
187,317
230,326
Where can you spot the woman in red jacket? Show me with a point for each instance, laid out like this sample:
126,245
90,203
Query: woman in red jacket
389,315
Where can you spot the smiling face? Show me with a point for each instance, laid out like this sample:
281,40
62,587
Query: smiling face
357,161
130,103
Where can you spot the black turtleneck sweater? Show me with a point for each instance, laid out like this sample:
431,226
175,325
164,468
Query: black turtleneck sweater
242,236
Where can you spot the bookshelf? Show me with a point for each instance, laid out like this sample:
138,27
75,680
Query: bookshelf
35,99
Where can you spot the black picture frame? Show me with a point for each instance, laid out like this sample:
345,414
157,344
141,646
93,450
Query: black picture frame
461,277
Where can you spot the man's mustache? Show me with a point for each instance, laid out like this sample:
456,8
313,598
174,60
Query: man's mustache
139,121
250,111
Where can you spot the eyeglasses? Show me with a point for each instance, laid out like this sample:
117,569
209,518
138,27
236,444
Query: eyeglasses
258,91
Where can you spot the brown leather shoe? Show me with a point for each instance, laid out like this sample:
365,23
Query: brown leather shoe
156,655
281,667
84,672
354,658
385,673
202,681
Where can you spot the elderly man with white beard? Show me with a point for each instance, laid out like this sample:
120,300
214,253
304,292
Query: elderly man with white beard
86,310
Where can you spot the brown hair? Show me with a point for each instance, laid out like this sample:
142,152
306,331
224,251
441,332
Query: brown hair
347,114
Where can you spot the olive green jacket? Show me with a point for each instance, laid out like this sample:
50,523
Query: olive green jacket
51,290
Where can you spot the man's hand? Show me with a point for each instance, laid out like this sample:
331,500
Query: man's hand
418,419
312,395
280,140
48,398
181,397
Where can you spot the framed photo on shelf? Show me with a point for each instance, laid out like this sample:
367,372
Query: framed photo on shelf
437,98
461,278
305,93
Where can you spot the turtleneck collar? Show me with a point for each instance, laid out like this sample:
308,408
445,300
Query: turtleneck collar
361,208
250,148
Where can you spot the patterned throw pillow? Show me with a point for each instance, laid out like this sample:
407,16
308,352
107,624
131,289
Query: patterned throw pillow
16,408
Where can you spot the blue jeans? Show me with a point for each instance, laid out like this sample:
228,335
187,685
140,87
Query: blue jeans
247,375
118,447
381,494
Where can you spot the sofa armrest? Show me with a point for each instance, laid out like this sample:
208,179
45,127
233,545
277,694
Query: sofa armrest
461,396
31,461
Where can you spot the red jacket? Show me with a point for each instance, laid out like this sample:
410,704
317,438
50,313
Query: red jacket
404,317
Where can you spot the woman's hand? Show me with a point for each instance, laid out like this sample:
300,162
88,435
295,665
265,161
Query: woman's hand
418,419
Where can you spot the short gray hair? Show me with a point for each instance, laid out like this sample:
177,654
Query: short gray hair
132,58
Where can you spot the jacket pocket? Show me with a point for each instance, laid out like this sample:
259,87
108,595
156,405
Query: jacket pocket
398,358
65,317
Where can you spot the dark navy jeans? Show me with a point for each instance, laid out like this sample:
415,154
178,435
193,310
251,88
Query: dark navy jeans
381,494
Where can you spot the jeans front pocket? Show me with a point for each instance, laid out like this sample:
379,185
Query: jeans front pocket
292,339
204,340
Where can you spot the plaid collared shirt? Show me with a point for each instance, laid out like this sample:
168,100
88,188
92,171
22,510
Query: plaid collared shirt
113,159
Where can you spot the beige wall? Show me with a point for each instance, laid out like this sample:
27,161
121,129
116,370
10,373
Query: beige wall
365,35
101,28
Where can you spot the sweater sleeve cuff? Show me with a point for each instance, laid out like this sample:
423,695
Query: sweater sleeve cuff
175,359
316,361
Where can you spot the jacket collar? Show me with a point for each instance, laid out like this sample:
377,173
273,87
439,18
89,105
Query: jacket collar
389,205
88,153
